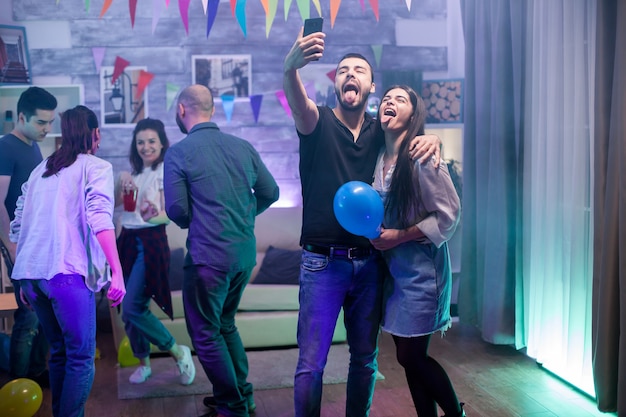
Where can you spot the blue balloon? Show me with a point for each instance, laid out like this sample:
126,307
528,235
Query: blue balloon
359,209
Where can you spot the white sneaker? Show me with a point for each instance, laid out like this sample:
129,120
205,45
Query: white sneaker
140,375
186,367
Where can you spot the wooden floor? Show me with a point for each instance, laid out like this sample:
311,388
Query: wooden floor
493,381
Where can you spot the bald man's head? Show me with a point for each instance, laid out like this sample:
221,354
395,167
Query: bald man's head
195,105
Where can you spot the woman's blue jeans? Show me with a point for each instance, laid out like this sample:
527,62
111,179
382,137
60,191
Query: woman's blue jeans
326,285
66,309
142,327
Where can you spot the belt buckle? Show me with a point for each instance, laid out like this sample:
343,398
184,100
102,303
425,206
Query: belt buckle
350,255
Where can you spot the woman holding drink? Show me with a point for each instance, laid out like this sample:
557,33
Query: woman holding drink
145,253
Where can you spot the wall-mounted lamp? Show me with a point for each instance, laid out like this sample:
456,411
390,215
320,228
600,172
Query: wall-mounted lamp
117,99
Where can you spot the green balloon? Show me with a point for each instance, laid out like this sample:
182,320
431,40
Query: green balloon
20,398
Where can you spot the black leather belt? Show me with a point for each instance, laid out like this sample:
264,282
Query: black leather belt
339,251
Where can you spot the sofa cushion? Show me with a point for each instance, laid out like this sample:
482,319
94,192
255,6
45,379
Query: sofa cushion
270,298
279,266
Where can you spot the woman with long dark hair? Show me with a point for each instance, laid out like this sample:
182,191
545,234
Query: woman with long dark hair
64,232
422,211
145,253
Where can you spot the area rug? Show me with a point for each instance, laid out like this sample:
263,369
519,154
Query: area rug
269,369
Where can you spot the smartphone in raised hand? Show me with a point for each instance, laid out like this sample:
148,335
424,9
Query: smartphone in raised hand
313,25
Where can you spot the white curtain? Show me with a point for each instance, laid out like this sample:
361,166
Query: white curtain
557,211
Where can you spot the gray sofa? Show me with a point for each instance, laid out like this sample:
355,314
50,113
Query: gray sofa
268,311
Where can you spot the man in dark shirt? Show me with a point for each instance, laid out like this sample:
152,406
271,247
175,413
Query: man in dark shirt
339,269
19,155
215,184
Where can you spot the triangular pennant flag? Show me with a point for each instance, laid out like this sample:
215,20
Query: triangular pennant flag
408,4
318,7
374,4
98,56
183,8
204,5
331,75
266,6
118,68
362,5
211,14
240,13
304,7
157,10
286,7
270,16
255,104
280,95
105,7
334,9
171,90
142,82
87,5
233,5
378,51
311,92
132,8
167,3
228,103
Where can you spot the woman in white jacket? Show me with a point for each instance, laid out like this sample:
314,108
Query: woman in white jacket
422,210
64,232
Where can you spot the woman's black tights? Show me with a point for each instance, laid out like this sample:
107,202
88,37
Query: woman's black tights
428,382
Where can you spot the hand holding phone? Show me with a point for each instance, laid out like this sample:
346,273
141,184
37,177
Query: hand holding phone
313,25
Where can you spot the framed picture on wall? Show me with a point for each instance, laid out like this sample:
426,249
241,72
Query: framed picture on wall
121,101
228,75
319,82
444,100
14,58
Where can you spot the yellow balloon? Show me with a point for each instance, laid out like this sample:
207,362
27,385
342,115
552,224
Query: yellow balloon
20,398
125,355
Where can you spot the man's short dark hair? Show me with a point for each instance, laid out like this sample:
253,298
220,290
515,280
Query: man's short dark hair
359,56
33,99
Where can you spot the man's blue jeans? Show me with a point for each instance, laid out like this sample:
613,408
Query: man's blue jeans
211,298
142,327
67,312
29,347
326,285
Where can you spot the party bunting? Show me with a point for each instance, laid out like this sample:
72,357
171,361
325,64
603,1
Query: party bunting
378,51
286,7
408,4
228,103
240,13
280,95
118,69
183,8
265,4
334,9
331,75
167,3
211,14
87,5
157,10
142,82
204,5
318,7
362,5
105,7
255,104
98,56
304,7
270,15
171,90
374,4
233,6
132,8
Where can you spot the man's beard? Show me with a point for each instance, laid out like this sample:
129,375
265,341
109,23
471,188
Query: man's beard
354,108
180,124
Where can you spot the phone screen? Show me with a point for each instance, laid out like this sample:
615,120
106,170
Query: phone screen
313,25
